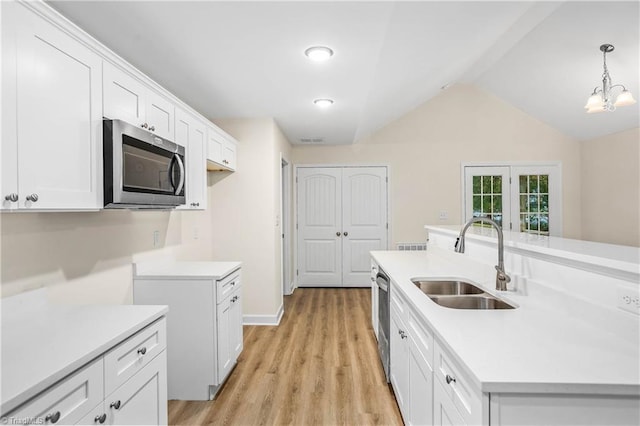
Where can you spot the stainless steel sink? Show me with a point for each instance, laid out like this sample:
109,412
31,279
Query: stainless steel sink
459,294
471,302
446,287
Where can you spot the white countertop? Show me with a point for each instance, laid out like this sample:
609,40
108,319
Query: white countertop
623,258
44,343
544,345
184,270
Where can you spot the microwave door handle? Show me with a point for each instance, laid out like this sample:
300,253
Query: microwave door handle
181,165
172,164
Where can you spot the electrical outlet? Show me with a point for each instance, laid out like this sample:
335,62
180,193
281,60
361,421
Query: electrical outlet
444,215
156,238
629,300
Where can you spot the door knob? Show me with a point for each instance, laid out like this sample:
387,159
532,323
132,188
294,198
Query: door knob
337,234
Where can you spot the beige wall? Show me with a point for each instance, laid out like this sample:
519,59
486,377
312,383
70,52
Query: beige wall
610,173
86,257
426,147
246,206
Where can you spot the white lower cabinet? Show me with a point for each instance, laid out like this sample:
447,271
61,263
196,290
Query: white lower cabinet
399,368
204,332
444,412
374,298
136,390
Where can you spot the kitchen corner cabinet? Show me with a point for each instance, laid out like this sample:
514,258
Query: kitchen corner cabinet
126,384
192,134
51,116
204,331
221,151
128,99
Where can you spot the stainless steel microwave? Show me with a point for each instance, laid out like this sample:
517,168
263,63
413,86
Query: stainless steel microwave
141,170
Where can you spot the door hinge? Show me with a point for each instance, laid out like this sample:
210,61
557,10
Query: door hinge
296,226
510,226
386,179
509,180
297,272
296,179
387,225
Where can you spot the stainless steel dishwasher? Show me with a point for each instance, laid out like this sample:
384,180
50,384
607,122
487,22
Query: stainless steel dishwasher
384,319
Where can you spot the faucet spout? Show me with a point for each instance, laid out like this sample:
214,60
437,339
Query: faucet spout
501,276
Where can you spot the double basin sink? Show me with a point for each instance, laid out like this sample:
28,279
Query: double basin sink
458,294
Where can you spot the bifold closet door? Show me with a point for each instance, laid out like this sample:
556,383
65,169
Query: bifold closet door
342,215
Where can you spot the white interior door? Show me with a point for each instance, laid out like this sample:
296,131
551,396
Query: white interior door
342,216
364,221
319,227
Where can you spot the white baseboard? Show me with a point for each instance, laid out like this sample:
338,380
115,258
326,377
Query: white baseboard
264,319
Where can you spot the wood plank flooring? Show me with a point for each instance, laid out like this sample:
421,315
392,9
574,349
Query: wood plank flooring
319,367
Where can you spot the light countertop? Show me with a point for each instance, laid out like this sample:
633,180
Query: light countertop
43,343
544,345
185,270
623,258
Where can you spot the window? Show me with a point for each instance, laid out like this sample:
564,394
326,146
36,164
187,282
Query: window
522,198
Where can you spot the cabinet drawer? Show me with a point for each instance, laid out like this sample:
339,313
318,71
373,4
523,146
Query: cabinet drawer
397,301
65,402
422,338
459,387
133,354
227,285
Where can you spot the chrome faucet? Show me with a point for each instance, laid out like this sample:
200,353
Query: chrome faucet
501,277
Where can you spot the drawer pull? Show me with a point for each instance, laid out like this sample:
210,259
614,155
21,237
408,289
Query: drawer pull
450,379
115,405
142,350
233,283
100,419
53,418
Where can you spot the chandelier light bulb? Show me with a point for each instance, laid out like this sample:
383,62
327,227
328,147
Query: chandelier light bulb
601,98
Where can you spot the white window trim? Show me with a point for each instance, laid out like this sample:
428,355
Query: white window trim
558,228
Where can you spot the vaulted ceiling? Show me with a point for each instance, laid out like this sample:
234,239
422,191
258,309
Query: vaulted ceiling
246,59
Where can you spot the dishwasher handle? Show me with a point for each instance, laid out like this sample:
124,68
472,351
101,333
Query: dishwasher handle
382,281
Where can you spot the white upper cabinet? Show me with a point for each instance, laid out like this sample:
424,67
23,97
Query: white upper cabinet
52,121
126,98
192,134
221,150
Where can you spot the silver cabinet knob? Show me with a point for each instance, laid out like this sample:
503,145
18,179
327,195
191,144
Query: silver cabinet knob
402,334
197,204
13,197
450,379
144,125
346,234
152,128
100,419
115,405
337,234
142,350
32,197
53,417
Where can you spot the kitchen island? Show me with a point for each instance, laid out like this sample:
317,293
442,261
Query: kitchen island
562,356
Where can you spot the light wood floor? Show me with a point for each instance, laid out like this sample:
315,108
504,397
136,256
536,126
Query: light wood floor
319,367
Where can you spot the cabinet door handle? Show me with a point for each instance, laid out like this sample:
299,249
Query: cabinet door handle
346,234
337,234
450,379
100,419
402,334
144,125
115,405
53,418
33,198
152,128
142,350
13,197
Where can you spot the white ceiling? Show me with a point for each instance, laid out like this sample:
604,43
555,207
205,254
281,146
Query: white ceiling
245,59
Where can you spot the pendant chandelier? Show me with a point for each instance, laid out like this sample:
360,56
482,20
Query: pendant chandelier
602,97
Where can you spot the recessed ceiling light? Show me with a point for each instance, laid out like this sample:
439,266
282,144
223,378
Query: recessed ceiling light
318,53
323,103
